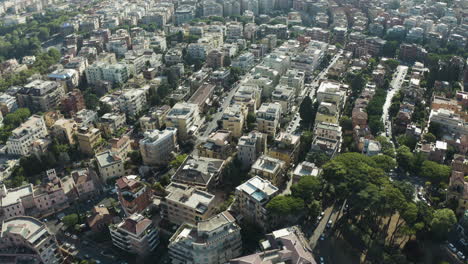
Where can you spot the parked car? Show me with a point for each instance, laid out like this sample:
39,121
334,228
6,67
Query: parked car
74,236
460,255
329,224
452,248
322,237
463,241
322,260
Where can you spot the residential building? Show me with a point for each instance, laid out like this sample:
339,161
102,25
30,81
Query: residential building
186,204
305,168
217,146
449,121
27,240
86,117
184,14
285,147
64,130
40,96
72,103
185,117
110,165
88,139
215,59
134,195
200,172
328,113
112,123
40,200
250,147
251,199
22,137
103,71
370,147
327,138
268,118
245,61
293,78
154,119
8,104
69,78
248,94
332,92
132,102
290,240
85,183
234,118
99,219
284,95
269,168
157,147
211,241
135,234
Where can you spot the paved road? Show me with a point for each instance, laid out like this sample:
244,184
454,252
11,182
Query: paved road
395,85
214,123
311,89
331,213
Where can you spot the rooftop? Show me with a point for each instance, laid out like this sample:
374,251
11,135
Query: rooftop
259,189
189,196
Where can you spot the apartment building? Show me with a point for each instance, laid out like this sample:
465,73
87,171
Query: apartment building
332,92
449,121
112,122
40,96
293,78
31,236
21,139
290,240
110,165
211,241
201,172
217,146
154,119
64,130
185,117
85,182
234,118
8,103
252,198
285,147
133,102
88,139
135,234
248,94
269,168
305,168
43,199
284,96
327,112
103,71
186,204
157,146
134,195
268,118
327,138
250,147
72,103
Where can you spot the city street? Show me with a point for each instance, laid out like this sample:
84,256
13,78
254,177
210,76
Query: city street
395,86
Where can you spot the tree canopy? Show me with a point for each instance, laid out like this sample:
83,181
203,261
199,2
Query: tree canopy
285,205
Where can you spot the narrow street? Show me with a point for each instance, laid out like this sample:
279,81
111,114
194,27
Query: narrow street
395,86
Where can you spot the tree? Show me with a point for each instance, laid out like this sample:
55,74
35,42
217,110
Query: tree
442,223
346,123
385,162
251,119
179,159
307,188
404,157
390,48
285,205
387,146
375,124
91,100
314,209
406,140
318,158
70,220
306,111
429,137
435,172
